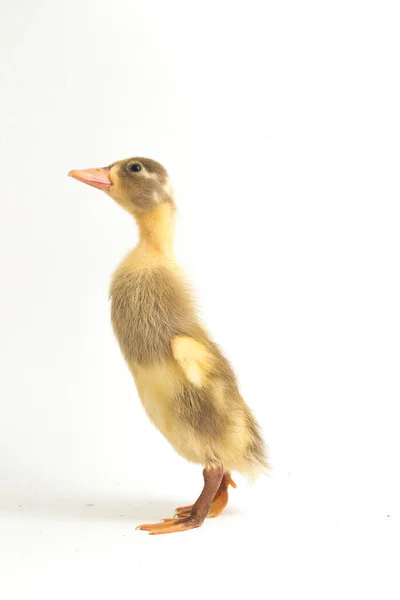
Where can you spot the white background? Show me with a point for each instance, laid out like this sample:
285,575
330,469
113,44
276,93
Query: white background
279,123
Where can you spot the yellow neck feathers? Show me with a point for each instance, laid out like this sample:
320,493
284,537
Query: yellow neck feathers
156,228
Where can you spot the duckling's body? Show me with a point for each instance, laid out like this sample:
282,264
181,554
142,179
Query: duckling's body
187,387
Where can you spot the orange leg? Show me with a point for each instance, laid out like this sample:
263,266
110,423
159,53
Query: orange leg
197,513
218,504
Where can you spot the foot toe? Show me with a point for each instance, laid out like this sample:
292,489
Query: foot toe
171,526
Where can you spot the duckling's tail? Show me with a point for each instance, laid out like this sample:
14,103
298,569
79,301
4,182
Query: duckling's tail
256,456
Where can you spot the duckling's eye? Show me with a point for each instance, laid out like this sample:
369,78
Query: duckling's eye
135,167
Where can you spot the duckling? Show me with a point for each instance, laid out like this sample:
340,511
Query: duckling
186,385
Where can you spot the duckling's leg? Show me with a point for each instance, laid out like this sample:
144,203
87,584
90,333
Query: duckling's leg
219,502
221,498
198,512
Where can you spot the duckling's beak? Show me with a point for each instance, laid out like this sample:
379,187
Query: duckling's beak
98,178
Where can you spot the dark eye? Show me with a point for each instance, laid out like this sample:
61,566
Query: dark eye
135,167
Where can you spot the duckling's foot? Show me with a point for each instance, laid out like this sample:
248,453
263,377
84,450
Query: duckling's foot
171,525
197,513
218,504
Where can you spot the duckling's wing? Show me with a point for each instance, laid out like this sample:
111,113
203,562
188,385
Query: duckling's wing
194,358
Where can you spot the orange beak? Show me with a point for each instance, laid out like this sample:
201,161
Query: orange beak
98,178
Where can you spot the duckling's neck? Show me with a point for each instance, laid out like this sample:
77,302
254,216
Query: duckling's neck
156,229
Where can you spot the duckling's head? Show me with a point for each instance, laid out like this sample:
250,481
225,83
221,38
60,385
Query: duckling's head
139,185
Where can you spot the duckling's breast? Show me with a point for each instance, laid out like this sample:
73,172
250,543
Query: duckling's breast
149,307
156,385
